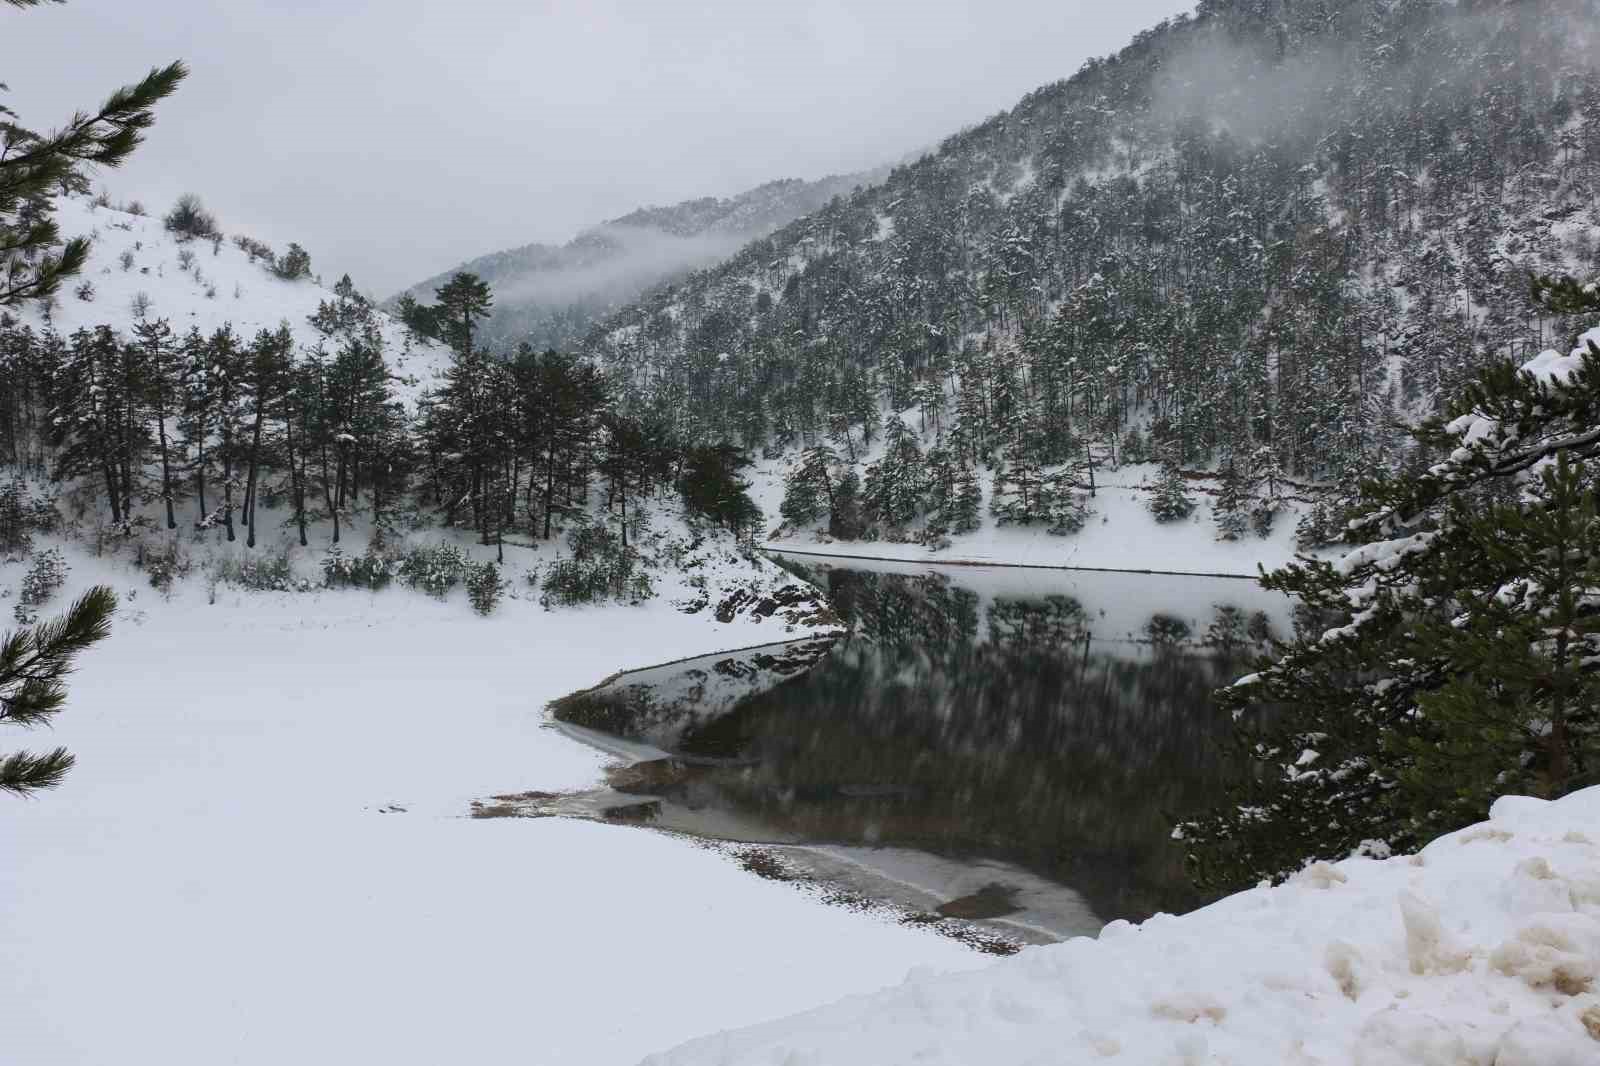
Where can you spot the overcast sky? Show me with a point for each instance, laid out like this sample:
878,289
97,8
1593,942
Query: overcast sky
396,138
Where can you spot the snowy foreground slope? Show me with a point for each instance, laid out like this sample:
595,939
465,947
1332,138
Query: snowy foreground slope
1481,950
264,854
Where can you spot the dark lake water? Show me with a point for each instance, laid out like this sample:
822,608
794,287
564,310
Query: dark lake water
1017,737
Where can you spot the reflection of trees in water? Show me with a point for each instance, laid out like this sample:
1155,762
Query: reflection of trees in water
1017,737
1030,747
893,607
1053,622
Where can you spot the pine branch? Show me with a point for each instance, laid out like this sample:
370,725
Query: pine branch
22,773
33,168
128,112
1565,295
34,663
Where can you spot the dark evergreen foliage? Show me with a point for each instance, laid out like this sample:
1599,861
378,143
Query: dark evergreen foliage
1170,500
1318,245
1448,658
711,485
294,264
34,664
189,219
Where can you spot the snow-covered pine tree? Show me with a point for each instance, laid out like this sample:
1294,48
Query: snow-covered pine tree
1070,508
1267,490
896,485
1234,505
464,301
160,375
808,489
966,506
1170,500
1455,656
1021,494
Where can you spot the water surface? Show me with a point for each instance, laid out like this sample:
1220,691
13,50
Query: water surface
1009,744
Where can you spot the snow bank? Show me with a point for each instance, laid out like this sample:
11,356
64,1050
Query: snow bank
265,854
1481,950
1553,367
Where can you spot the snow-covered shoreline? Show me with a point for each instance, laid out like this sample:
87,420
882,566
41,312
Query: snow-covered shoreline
788,548
1483,949
1121,536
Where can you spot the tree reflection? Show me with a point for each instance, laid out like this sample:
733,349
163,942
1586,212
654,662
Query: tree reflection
1030,739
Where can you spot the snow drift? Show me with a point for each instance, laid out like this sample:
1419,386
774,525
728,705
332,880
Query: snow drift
1483,949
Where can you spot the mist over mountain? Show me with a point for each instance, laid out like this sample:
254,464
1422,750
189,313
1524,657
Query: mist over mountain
552,295
1267,236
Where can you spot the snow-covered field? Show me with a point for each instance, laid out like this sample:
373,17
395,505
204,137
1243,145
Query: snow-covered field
1481,950
264,854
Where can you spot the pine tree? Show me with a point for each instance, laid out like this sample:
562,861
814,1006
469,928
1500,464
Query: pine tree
84,419
895,485
1522,713
1232,509
1070,509
1170,501
463,301
158,352
967,504
808,489
1454,655
33,666
1564,295
711,485
1268,489
34,168
1022,494
264,374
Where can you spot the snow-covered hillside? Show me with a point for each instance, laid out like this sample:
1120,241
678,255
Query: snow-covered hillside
1267,237
1483,949
552,296
266,850
220,287
265,853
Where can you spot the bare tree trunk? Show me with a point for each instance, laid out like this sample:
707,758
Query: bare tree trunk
250,483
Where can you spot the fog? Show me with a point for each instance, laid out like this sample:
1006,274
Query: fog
396,138
642,256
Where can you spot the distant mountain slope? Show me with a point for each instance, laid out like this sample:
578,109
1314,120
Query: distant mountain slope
134,255
550,296
1261,238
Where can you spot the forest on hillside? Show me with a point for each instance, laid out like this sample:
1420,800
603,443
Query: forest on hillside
145,429
550,296
1261,240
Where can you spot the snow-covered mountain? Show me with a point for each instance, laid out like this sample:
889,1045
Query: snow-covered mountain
1260,239
551,295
